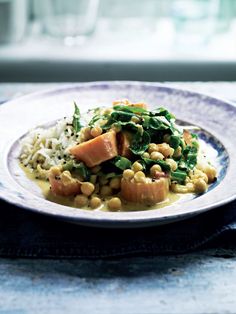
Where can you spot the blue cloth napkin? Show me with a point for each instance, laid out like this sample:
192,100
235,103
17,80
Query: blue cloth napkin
26,234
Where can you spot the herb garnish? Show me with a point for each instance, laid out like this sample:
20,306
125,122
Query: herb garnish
76,119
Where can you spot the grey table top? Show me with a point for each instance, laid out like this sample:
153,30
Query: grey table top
200,282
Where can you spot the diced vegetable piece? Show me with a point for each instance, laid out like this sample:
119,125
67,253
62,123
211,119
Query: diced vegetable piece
145,192
159,174
62,183
124,141
97,150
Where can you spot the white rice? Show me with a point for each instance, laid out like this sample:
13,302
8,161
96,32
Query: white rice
48,147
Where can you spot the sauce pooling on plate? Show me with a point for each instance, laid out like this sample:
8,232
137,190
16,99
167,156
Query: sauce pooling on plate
121,158
69,200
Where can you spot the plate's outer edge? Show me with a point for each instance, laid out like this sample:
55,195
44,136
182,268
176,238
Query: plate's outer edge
213,114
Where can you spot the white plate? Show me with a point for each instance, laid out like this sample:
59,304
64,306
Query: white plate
215,117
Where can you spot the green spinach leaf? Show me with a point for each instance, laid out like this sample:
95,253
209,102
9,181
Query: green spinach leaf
121,163
132,109
140,143
178,176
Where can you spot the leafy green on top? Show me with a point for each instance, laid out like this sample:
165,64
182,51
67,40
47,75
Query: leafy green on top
76,119
151,126
135,110
175,141
140,143
163,112
95,118
178,176
121,163
153,123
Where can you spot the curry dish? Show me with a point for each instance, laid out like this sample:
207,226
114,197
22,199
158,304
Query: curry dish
117,158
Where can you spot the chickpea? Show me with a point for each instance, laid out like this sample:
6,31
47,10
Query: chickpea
154,169
137,166
114,204
196,174
96,131
116,128
190,187
172,164
152,148
139,176
66,177
128,174
204,177
87,188
146,155
95,202
140,128
87,133
188,180
200,185
210,171
95,169
55,170
115,183
108,111
81,200
135,119
177,152
106,190
156,156
178,188
165,149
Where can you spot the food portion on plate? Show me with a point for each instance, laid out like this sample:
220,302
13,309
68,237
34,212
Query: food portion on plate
117,157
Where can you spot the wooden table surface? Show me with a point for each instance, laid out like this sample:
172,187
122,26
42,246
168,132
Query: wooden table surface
200,282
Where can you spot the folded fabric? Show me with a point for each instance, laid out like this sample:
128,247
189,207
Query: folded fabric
26,234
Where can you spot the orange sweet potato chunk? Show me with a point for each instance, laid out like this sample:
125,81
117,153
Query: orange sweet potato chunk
124,141
145,192
62,183
97,150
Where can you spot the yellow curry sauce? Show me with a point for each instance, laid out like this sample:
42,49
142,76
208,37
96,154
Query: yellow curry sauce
69,200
